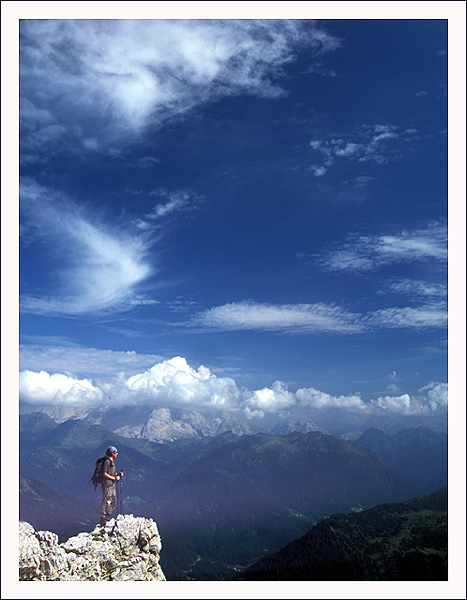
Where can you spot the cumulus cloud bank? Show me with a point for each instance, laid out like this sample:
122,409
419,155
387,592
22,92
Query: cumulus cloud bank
135,73
175,382
44,388
433,399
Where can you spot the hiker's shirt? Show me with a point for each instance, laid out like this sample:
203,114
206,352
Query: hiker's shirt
109,467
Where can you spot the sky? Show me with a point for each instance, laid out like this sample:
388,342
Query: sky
242,214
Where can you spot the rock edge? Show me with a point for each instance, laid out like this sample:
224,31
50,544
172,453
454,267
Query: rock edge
125,549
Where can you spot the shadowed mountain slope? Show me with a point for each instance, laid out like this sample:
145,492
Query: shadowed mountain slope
418,453
398,541
52,511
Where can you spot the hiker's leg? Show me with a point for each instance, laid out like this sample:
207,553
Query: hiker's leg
103,506
111,501
108,501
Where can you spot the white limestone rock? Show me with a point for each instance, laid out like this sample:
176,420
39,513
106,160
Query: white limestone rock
126,549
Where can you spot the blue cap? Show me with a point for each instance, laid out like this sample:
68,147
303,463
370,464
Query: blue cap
111,449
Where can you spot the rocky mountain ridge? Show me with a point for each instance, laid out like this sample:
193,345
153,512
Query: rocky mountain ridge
164,424
126,549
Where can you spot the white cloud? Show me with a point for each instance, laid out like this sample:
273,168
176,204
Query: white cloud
436,395
361,182
289,318
417,288
397,404
269,400
318,171
367,253
43,388
431,400
316,318
175,382
350,149
176,201
83,362
393,378
145,162
412,245
347,260
409,317
378,143
315,399
101,266
135,73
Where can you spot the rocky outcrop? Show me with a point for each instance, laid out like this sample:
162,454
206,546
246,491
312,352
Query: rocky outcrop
126,549
170,424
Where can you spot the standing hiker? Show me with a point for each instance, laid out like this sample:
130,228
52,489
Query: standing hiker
109,496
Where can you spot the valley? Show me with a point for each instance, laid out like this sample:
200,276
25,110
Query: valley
221,502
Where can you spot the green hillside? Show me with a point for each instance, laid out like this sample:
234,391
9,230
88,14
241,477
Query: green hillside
396,542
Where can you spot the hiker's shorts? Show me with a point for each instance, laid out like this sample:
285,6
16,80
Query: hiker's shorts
109,500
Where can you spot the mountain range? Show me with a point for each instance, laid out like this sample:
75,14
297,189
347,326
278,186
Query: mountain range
167,423
220,502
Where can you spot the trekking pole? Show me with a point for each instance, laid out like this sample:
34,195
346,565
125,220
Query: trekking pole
117,494
121,495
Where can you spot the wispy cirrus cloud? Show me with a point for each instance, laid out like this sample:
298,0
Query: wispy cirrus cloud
301,319
368,253
145,162
419,317
287,318
416,288
175,201
378,144
55,356
97,266
101,82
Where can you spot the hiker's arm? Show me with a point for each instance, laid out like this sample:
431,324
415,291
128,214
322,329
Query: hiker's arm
111,477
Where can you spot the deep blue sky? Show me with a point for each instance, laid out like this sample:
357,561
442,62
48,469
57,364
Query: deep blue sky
267,199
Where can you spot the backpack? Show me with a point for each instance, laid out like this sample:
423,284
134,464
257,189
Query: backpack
98,476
